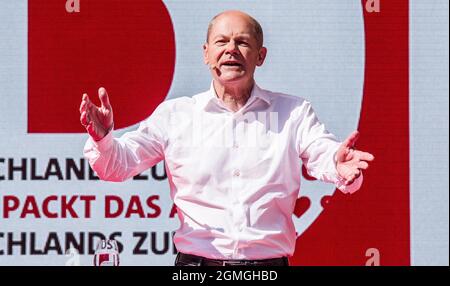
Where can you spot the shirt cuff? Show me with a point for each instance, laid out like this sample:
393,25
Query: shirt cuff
103,144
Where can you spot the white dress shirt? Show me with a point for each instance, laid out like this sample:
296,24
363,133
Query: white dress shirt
234,176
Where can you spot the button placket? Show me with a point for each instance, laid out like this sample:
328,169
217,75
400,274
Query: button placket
237,218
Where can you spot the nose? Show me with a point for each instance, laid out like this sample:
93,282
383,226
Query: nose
231,48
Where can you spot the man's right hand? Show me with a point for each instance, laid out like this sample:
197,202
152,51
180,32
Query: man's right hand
98,121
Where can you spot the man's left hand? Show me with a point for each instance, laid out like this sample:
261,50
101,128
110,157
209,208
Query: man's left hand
350,162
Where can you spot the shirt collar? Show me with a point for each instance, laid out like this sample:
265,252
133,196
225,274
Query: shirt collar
210,97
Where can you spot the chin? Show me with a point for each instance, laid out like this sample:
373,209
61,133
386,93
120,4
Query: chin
232,79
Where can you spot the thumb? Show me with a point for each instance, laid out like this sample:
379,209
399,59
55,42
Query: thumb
104,99
342,153
351,139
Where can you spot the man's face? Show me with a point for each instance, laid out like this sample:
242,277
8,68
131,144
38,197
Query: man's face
233,49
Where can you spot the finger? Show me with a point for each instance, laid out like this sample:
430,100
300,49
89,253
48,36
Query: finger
350,154
89,105
363,165
103,95
90,129
351,139
89,116
83,106
350,180
365,156
85,97
84,119
353,176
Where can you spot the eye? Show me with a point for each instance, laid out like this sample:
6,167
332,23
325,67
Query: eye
220,42
243,43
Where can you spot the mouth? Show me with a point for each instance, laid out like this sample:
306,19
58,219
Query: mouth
231,64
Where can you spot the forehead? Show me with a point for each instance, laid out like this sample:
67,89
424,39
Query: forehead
232,25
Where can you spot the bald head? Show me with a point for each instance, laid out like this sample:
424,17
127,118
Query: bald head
257,29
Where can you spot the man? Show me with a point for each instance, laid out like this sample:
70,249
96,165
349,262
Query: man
233,154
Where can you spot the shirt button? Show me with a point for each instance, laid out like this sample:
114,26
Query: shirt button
237,173
235,145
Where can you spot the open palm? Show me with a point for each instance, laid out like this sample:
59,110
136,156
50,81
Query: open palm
98,121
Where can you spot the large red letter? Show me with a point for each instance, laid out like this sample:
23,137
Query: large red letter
126,46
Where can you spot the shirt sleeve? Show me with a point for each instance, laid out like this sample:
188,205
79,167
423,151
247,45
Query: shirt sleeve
317,149
118,159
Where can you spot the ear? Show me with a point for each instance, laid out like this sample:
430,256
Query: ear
205,54
261,56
